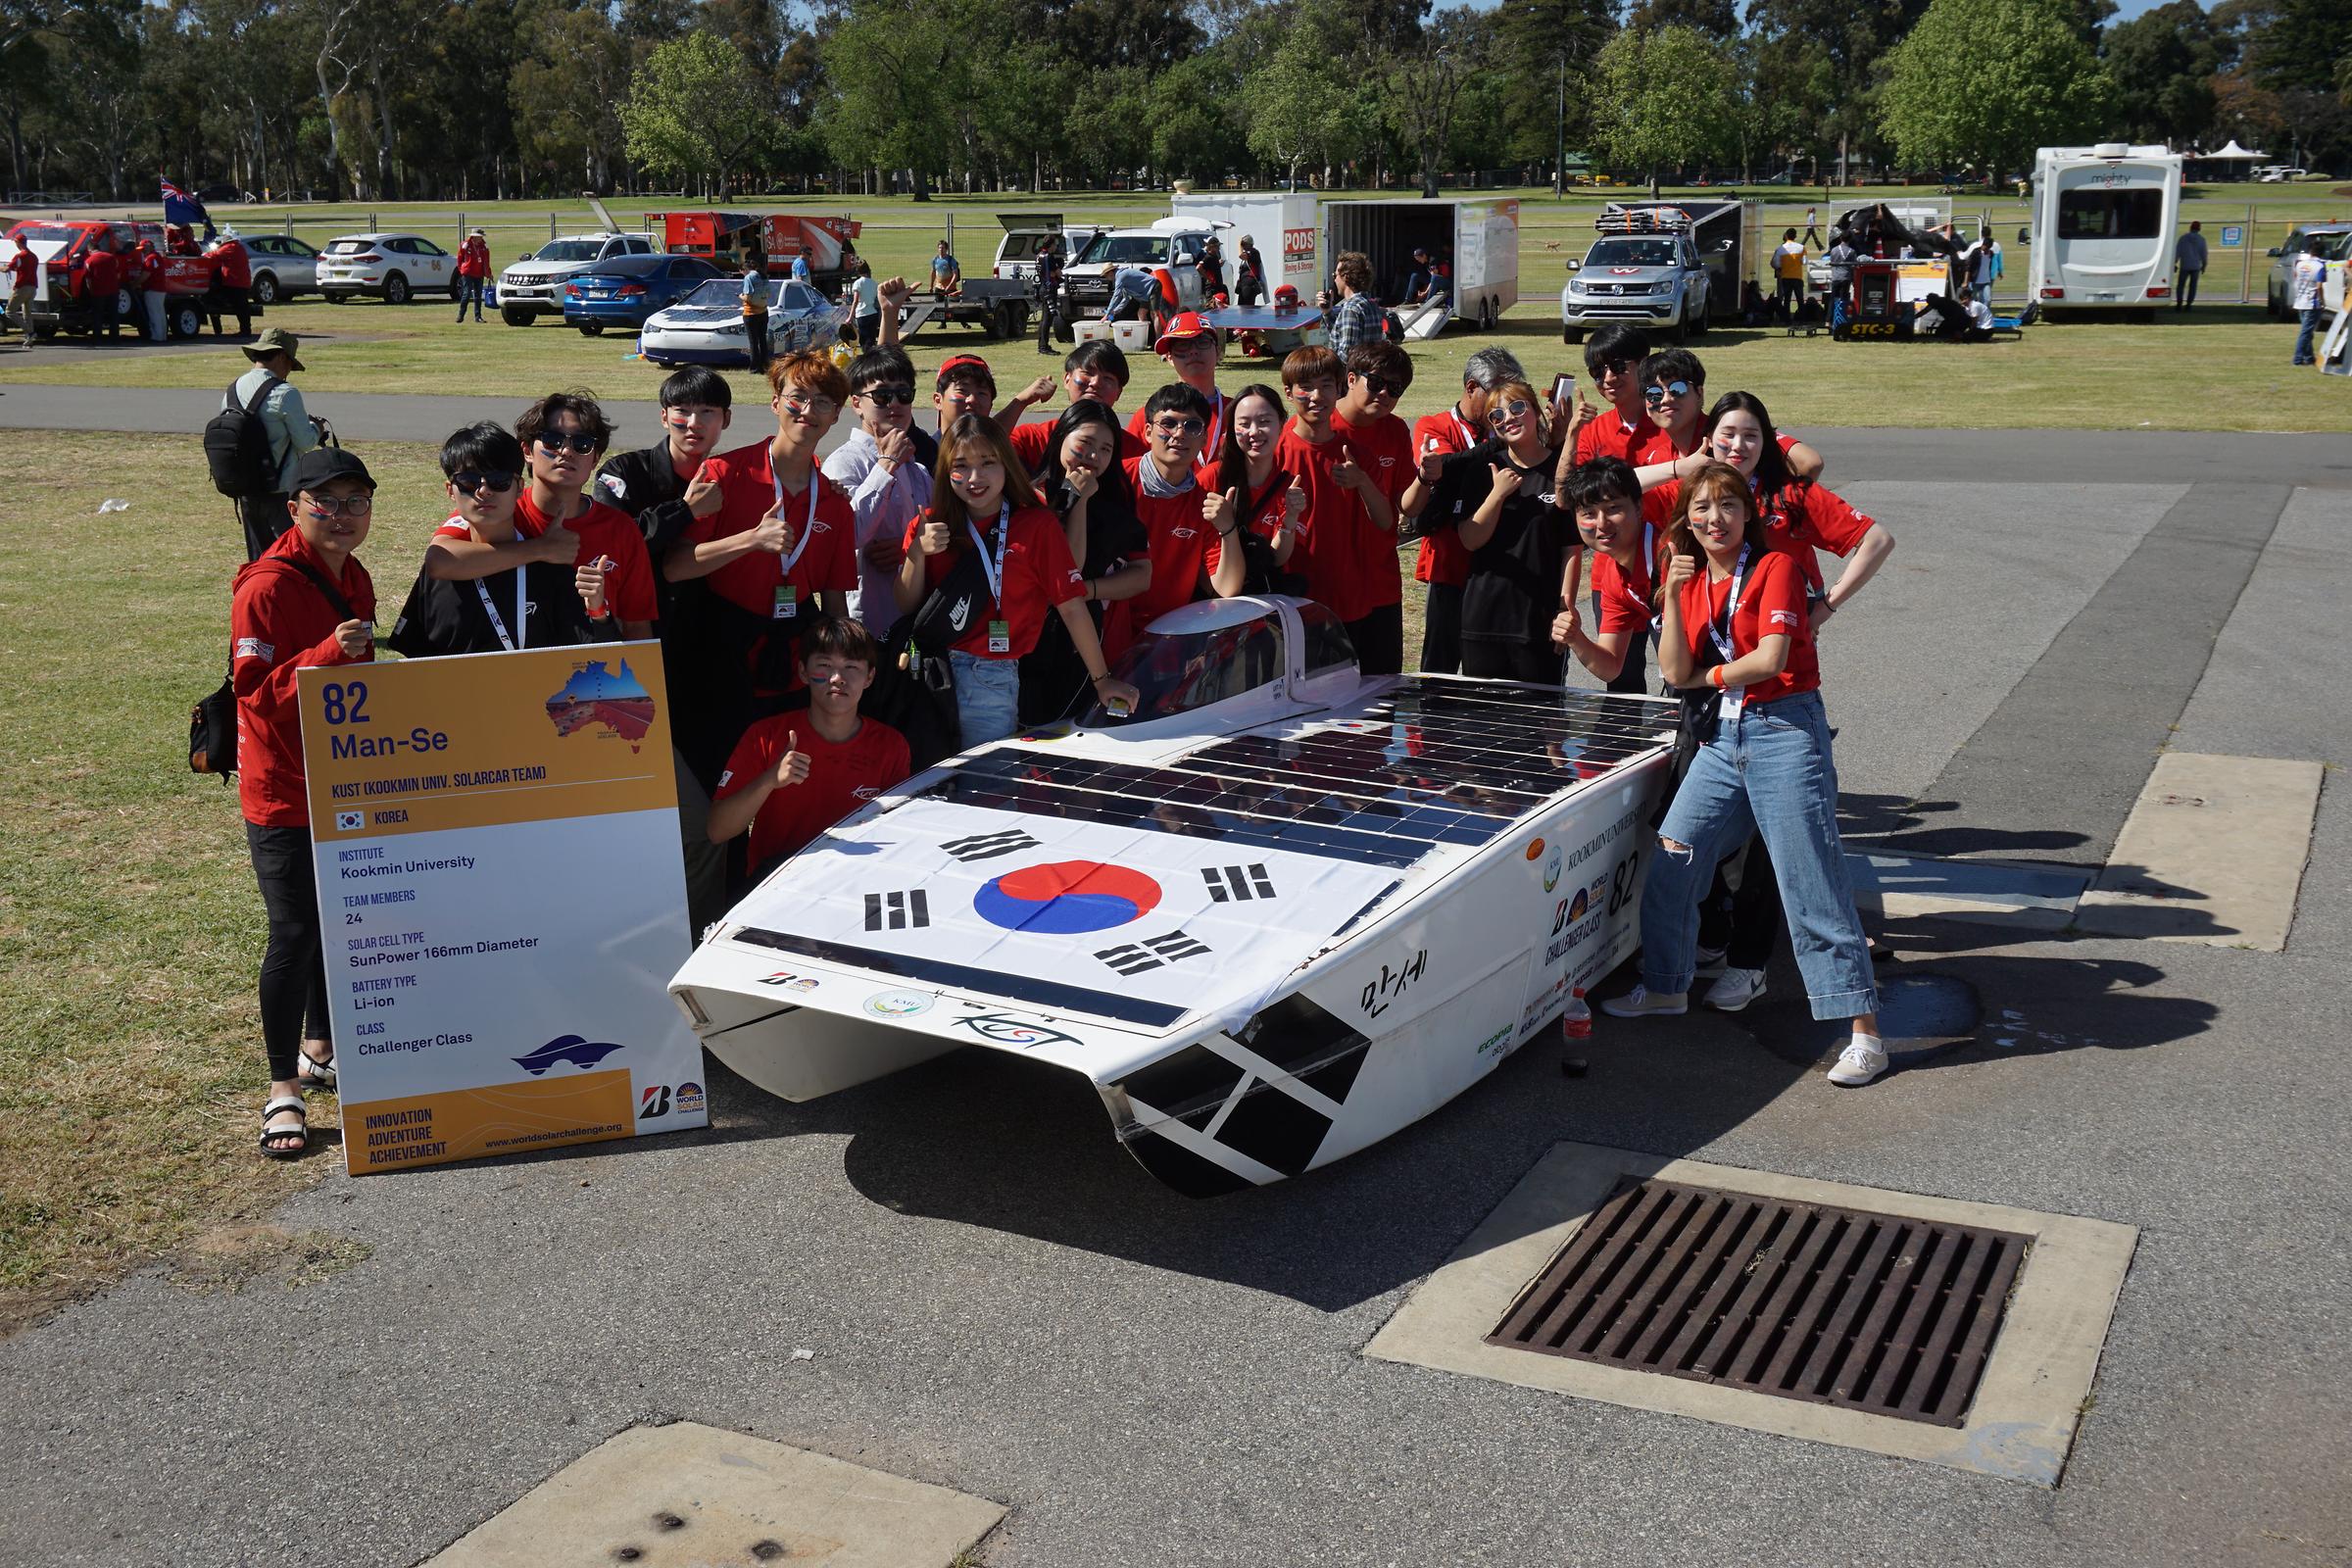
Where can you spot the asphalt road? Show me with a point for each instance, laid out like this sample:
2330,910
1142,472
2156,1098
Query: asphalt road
1000,1301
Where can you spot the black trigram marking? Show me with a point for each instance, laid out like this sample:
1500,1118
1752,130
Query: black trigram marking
896,912
1234,884
1152,953
988,846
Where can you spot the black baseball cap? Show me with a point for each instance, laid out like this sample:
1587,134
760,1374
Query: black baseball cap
321,466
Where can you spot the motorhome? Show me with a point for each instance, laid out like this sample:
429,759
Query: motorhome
2104,219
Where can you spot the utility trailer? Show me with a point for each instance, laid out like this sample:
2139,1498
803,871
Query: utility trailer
998,306
1479,238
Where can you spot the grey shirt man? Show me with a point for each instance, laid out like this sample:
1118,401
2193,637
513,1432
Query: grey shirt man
2190,252
291,432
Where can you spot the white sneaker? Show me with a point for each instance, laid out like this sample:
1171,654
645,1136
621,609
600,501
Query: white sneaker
1710,963
1644,1002
1862,1059
1736,990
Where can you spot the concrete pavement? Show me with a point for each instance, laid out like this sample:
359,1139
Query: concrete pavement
1000,1301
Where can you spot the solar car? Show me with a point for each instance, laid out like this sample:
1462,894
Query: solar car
706,327
1275,914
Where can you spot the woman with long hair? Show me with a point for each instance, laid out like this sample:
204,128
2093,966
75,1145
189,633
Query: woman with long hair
1499,496
1081,482
1255,504
1006,562
1732,616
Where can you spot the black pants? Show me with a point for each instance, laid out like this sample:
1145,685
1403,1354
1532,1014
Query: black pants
754,333
234,301
1536,663
869,331
1379,640
2187,295
264,518
1441,630
294,967
103,321
1745,922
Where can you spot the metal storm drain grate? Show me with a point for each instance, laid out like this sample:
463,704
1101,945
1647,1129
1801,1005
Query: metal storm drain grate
1872,1312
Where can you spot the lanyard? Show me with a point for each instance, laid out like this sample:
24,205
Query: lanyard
993,567
497,623
1461,429
1721,631
801,543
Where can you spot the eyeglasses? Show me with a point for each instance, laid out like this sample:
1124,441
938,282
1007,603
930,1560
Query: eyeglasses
347,505
882,396
1666,389
823,408
1185,427
1380,387
1516,409
474,479
554,442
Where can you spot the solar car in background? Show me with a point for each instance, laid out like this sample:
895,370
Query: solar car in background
706,327
622,291
1274,915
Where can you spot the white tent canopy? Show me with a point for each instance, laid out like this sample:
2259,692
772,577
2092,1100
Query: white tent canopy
2231,154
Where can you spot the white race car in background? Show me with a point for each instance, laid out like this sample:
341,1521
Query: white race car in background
706,327
1275,914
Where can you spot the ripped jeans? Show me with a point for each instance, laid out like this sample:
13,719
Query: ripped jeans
1769,771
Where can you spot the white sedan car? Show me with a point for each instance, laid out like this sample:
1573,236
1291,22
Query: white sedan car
397,266
706,327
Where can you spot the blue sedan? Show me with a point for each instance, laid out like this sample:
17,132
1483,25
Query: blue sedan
626,289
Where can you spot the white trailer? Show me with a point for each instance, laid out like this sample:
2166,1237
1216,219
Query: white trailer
1280,223
2103,224
1478,238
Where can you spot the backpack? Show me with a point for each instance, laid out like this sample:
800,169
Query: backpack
237,446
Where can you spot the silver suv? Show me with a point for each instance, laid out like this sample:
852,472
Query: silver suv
1654,280
534,286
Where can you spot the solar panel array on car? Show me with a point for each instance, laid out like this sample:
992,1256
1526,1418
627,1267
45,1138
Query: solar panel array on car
1432,762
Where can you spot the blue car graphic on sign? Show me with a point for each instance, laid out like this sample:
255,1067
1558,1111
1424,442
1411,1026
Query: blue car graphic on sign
579,1052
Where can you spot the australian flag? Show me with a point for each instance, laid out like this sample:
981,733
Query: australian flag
181,208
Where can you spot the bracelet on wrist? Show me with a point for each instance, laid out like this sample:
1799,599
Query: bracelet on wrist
1715,676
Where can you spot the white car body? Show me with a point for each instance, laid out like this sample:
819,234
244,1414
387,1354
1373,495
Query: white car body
706,327
533,286
2105,221
398,267
289,265
1270,928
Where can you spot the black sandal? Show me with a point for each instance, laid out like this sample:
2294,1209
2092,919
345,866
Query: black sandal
315,1072
299,1133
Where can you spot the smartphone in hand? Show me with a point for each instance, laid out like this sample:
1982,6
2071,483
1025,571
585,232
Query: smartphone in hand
1563,389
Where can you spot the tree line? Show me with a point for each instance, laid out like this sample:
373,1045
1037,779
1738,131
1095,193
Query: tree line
474,100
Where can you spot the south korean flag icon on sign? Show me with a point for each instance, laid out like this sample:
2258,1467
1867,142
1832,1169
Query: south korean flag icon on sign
350,821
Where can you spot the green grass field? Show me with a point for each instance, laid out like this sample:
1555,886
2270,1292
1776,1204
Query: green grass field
130,1069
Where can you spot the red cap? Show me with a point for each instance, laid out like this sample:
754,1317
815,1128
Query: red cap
1187,326
964,361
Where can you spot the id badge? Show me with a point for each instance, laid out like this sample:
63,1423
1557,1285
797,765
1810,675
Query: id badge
788,602
1735,697
1000,636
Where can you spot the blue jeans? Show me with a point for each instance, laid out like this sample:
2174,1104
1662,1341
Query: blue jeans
2314,318
469,291
988,696
1769,771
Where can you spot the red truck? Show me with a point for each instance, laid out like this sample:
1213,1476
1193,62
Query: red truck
61,300
719,237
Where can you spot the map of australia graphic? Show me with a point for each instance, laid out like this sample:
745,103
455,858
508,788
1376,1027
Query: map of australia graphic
596,696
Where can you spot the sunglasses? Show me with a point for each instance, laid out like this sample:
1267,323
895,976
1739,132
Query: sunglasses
1615,367
348,506
882,396
573,443
1186,426
1516,409
1380,387
1667,389
473,479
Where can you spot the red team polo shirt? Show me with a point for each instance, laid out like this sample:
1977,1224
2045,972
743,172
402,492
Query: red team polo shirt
1442,560
827,561
602,530
1803,517
1607,435
1350,565
1624,597
1177,539
841,778
1772,602
1039,576
1030,442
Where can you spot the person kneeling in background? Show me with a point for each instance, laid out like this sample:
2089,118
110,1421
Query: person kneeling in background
796,774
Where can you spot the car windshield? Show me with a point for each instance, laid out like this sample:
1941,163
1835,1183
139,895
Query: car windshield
1127,250
1177,673
568,250
1632,253
726,293
35,231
